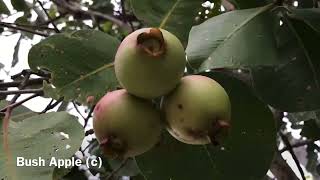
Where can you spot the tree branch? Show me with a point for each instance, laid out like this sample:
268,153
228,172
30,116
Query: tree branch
17,83
24,72
51,105
14,105
15,27
280,168
290,149
88,117
5,127
298,144
25,91
75,8
124,14
54,19
47,14
40,27
77,109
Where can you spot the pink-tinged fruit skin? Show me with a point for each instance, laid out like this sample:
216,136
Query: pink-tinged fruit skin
148,76
198,111
125,125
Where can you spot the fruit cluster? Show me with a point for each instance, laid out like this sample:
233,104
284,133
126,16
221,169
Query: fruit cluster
150,63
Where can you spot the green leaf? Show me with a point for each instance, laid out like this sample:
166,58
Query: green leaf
40,136
3,8
252,132
130,168
19,113
19,5
241,4
81,63
241,38
295,85
311,130
176,16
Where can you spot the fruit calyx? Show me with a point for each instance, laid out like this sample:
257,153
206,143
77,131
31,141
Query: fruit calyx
152,42
220,130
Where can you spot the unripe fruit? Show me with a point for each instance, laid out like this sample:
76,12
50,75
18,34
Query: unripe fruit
125,125
150,62
197,111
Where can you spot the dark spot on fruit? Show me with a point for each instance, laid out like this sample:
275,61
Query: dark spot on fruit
219,130
180,106
196,134
113,146
97,108
181,119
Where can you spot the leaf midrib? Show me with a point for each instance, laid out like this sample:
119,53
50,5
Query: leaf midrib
106,66
305,51
233,32
166,17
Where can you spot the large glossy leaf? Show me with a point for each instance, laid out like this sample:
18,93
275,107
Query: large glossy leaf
40,136
295,85
3,8
241,38
81,63
253,133
176,16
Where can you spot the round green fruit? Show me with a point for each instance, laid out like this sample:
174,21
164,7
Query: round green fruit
150,62
125,125
198,111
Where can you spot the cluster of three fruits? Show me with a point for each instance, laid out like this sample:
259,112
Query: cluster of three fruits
150,63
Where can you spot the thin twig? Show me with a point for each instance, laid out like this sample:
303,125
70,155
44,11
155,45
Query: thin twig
89,132
5,126
76,8
23,29
76,107
124,14
123,163
36,27
86,120
14,105
298,144
40,73
47,14
290,149
24,91
52,105
35,81
54,19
